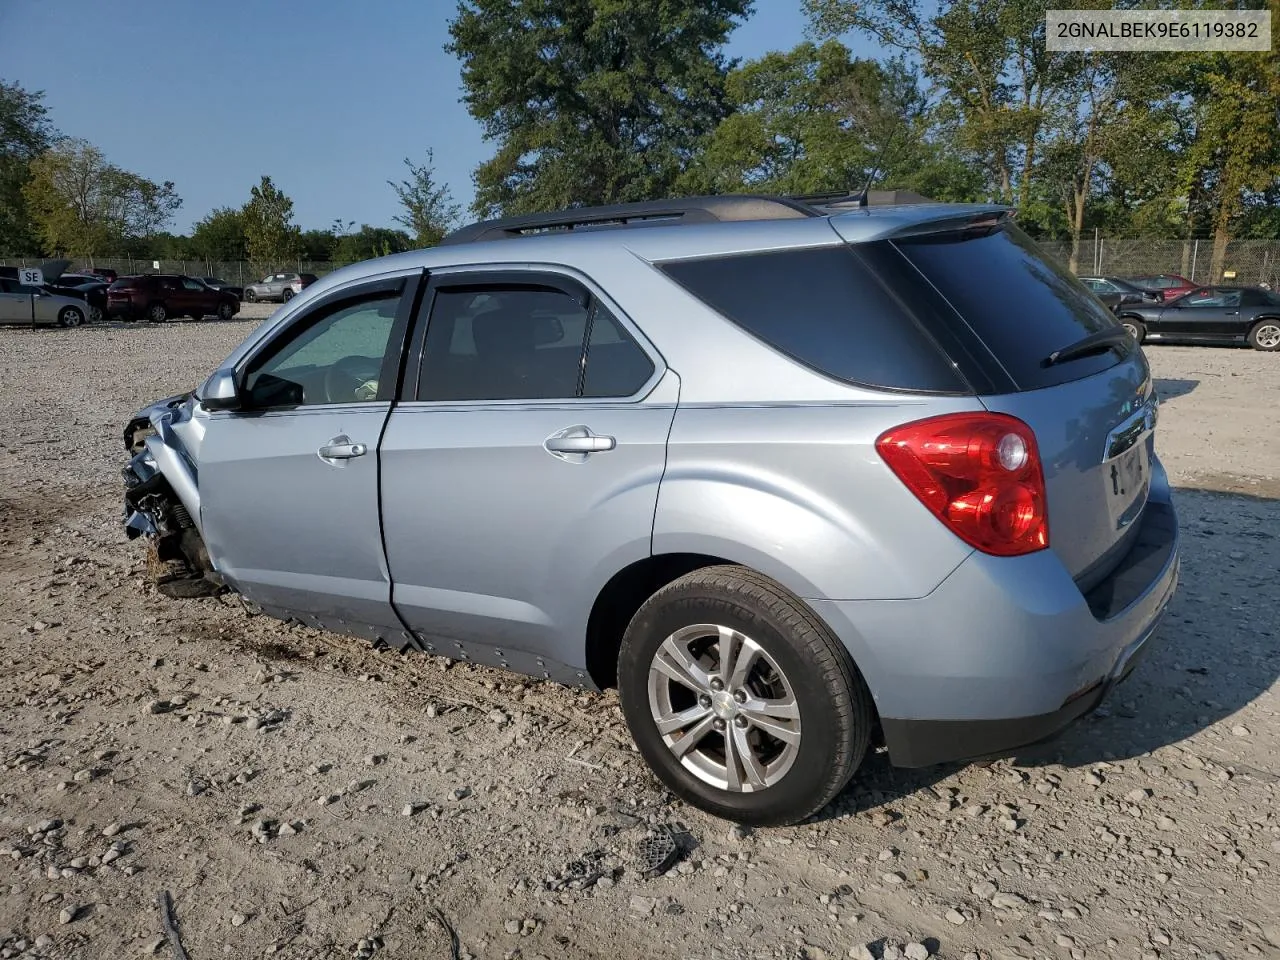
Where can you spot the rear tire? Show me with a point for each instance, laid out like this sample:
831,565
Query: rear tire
1135,328
286,295
226,311
799,682
156,313
1265,335
70,317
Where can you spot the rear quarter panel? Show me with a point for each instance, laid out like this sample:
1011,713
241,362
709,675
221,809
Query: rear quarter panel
799,493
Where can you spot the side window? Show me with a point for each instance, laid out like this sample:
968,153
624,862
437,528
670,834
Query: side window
502,342
1230,298
615,364
1203,298
7,285
335,358
190,284
1252,298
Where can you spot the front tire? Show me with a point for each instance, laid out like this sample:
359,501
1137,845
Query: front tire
226,311
70,317
1134,327
740,699
156,313
1265,335
286,295
251,295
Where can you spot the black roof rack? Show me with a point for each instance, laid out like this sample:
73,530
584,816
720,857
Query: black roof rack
679,210
713,209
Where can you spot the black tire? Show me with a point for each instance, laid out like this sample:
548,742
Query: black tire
95,314
251,295
226,311
70,317
1135,327
286,295
157,313
836,715
1265,335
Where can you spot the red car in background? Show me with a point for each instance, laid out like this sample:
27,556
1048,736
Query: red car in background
1167,286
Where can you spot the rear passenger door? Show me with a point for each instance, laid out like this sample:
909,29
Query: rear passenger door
15,306
520,470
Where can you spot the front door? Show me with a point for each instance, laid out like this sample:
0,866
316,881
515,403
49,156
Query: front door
521,471
1206,313
15,306
289,483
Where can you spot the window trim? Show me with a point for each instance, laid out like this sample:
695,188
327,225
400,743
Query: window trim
555,276
410,287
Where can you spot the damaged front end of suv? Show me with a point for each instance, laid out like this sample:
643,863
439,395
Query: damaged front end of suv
162,498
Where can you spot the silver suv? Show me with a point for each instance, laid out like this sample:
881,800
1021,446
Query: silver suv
789,475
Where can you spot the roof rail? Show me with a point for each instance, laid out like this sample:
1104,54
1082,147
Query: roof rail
679,210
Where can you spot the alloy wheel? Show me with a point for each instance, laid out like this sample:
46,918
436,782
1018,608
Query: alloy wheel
724,708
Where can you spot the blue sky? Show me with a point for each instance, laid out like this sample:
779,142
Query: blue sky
327,97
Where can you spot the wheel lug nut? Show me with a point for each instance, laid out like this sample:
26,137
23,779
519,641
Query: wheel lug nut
740,696
718,724
740,722
704,701
717,684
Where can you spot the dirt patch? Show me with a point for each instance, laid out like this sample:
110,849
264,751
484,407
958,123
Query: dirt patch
304,796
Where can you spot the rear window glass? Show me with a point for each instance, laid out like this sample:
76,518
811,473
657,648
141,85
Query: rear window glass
1017,301
124,283
825,309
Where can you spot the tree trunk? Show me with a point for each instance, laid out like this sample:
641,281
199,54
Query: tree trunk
1220,238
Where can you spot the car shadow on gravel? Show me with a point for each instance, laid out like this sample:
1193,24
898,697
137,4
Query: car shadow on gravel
1171,389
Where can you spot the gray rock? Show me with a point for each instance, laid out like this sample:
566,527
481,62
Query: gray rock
984,889
955,916
68,914
238,919
861,952
642,906
1007,901
512,927
916,951
111,830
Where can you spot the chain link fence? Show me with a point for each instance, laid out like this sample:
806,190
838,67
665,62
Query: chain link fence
1246,261
237,272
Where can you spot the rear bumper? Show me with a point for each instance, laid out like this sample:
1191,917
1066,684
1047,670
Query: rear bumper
1007,651
123,309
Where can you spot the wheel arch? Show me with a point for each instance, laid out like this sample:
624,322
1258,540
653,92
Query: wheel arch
627,590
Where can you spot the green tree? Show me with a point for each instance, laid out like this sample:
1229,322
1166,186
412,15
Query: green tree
317,244
590,101
25,133
986,59
815,120
270,234
85,206
369,242
429,209
220,235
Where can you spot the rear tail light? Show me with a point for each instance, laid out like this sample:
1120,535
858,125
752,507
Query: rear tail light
979,473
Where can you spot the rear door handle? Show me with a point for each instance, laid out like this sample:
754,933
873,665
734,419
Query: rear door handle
577,442
341,448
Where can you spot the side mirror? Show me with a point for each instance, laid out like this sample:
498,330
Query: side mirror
220,392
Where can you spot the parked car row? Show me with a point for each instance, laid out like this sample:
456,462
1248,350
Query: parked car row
156,297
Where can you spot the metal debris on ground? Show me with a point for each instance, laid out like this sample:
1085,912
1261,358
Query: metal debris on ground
657,851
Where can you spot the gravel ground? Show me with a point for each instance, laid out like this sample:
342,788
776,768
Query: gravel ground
301,795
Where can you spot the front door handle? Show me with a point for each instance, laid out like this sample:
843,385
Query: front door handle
577,442
341,448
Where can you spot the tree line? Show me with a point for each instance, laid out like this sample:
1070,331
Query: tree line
595,101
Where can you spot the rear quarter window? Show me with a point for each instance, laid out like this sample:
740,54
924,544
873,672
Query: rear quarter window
826,309
1019,303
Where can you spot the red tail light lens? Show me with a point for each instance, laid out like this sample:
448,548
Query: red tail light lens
979,473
